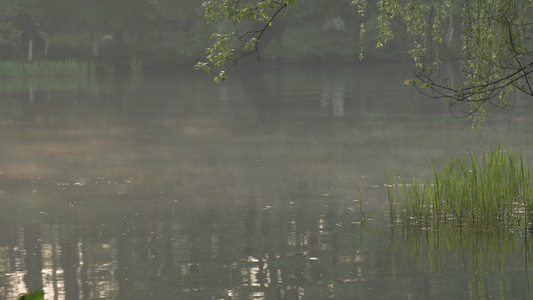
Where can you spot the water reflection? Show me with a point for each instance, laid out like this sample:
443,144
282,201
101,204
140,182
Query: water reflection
224,251
33,258
181,189
488,257
332,97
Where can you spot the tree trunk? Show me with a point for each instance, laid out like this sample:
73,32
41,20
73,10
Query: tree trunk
47,44
448,38
31,34
94,43
30,49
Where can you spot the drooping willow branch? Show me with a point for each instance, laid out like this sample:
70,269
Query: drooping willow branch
425,82
495,62
429,85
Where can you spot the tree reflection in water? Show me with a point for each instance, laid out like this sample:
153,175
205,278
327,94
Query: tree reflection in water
498,260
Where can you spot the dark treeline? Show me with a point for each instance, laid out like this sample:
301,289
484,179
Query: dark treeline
168,32
108,30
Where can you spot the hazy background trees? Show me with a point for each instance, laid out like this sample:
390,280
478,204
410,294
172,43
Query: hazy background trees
165,33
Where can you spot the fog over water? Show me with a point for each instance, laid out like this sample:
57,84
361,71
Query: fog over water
173,187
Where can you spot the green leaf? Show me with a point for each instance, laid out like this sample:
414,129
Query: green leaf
37,295
407,82
221,76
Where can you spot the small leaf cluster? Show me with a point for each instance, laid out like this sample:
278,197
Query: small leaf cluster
224,47
37,295
425,22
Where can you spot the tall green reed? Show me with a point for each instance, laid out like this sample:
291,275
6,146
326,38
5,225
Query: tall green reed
491,189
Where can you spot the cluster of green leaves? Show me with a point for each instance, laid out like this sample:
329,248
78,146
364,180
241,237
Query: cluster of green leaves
37,295
492,47
493,54
9,34
9,11
226,45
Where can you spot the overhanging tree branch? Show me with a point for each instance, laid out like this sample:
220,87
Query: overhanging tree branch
495,59
233,47
425,82
252,38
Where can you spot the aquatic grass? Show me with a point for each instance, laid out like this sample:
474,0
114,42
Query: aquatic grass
492,189
24,69
472,208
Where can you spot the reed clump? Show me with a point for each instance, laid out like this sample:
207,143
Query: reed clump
25,69
470,191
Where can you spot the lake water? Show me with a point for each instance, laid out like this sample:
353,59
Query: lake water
173,187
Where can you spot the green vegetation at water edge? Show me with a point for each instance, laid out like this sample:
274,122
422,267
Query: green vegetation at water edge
36,84
23,69
37,295
470,191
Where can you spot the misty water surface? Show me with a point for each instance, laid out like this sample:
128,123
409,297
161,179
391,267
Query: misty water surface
173,187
